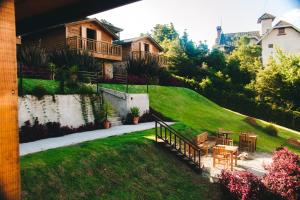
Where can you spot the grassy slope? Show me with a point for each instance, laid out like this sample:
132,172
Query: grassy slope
123,167
200,114
52,87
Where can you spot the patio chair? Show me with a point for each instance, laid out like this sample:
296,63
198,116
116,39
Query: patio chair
221,156
220,140
204,142
228,142
244,142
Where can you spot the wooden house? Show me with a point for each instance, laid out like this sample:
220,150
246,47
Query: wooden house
142,47
89,35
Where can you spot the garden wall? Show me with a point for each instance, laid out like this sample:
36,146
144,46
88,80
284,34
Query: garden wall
68,110
122,102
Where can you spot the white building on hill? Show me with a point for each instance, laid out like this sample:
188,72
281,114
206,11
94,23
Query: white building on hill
283,35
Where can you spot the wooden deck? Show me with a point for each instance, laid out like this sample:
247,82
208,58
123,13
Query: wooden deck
99,49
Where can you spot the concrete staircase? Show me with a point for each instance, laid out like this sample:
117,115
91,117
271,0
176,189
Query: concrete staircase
115,119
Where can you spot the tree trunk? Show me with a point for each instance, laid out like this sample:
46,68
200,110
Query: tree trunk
9,142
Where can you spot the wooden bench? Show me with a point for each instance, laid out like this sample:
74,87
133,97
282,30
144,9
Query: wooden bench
205,142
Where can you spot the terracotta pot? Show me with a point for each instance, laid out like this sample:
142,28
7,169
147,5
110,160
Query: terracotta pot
136,120
106,124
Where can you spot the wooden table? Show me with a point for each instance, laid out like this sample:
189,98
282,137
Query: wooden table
226,133
233,150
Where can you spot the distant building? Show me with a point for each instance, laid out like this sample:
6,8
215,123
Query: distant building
143,47
283,35
226,42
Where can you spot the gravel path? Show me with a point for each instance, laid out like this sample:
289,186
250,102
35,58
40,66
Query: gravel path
75,138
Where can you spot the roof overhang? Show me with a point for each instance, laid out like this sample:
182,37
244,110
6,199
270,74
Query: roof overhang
32,15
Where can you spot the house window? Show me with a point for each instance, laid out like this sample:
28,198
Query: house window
147,48
91,34
270,46
281,31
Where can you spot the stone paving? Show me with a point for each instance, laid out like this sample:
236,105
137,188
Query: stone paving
255,164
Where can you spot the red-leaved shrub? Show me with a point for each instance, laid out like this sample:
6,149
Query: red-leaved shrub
240,185
283,176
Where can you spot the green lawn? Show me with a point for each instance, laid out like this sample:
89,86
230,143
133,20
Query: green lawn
132,166
52,87
200,114
129,167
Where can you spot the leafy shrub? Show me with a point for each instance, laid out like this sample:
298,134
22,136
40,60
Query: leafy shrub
36,131
283,176
39,91
282,180
135,111
271,130
240,185
251,121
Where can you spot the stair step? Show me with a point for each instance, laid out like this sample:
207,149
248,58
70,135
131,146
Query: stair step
116,123
112,119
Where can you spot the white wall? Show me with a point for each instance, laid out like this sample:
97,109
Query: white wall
289,43
122,102
65,109
266,25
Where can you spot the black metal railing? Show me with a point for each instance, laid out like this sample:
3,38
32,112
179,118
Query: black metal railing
177,141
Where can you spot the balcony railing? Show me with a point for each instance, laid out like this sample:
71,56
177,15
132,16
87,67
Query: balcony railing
162,60
99,48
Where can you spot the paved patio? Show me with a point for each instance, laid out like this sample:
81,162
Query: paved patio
254,164
75,138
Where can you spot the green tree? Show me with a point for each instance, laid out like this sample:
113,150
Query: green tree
162,32
279,82
248,57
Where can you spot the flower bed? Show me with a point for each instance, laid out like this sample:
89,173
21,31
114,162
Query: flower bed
282,180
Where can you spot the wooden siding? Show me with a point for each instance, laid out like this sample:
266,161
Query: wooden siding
75,30
50,39
9,141
135,46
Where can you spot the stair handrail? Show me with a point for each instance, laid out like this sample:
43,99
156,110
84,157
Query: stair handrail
179,134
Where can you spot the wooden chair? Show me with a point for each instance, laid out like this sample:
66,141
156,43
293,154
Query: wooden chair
204,142
221,156
244,142
220,140
228,142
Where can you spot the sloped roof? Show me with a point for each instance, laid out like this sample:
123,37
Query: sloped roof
266,16
280,24
135,39
229,38
111,26
105,27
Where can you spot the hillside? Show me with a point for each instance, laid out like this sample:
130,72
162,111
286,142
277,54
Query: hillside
131,166
197,114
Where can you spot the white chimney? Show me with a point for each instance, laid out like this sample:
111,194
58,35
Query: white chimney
266,22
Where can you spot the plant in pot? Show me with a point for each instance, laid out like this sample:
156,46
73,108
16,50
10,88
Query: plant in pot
107,110
135,113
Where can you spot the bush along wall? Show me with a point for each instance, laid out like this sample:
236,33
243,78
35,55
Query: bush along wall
241,103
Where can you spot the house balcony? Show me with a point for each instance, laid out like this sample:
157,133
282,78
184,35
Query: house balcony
99,49
144,55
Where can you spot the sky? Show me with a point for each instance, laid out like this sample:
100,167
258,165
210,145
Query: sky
199,17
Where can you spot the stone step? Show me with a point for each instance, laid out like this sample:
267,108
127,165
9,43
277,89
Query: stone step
116,123
112,119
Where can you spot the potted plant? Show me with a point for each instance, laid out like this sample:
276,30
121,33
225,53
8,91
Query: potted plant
107,109
135,113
